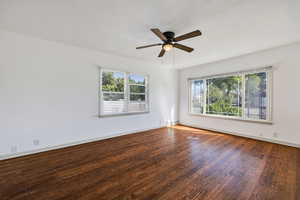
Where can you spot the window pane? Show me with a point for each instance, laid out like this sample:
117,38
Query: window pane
224,96
137,89
113,81
113,107
256,96
137,97
118,98
113,103
113,96
137,107
197,91
136,79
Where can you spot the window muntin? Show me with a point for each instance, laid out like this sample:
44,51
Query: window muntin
122,93
244,95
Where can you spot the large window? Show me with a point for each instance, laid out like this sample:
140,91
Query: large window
243,95
123,93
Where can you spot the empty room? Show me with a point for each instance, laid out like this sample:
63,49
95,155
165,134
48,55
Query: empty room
149,100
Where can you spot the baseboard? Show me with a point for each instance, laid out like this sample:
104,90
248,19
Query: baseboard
242,135
20,154
172,123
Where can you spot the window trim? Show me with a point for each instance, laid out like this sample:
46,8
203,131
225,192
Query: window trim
126,93
269,90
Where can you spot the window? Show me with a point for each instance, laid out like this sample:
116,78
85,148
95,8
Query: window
256,96
122,93
224,96
137,93
243,95
198,96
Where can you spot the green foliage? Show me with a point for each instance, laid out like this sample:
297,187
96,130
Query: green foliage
136,79
137,89
224,109
111,83
224,93
255,86
223,96
131,81
137,97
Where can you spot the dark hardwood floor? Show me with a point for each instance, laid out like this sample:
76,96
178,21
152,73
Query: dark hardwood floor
168,163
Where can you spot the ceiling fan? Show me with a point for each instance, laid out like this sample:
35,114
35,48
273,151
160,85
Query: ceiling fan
169,41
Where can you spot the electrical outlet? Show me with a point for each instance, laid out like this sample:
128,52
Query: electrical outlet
261,134
36,142
275,135
13,149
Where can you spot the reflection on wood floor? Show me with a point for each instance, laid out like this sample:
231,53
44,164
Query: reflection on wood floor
167,163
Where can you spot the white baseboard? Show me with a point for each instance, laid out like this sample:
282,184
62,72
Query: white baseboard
242,135
19,154
172,123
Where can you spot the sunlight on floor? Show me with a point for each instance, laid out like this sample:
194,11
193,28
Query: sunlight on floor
195,130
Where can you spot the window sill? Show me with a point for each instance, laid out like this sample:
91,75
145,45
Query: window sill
123,114
234,118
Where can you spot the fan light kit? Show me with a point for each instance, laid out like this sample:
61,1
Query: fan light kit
167,47
169,41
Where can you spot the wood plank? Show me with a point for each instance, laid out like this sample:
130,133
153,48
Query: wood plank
167,163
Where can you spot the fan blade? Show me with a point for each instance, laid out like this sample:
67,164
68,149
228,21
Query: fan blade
188,35
162,52
159,34
183,47
151,45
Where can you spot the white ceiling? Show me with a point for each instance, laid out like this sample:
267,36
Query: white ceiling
230,27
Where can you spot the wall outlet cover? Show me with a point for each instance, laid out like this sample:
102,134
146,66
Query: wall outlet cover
36,142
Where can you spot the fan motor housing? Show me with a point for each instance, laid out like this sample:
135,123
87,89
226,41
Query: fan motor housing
169,35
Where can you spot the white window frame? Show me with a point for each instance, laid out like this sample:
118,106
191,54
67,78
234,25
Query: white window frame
269,118
126,93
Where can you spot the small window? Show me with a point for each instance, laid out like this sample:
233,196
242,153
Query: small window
243,95
137,93
256,99
198,96
122,93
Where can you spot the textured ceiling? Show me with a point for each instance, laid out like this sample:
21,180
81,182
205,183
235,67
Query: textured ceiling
230,27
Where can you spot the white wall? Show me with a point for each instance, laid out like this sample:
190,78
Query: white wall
49,92
286,96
